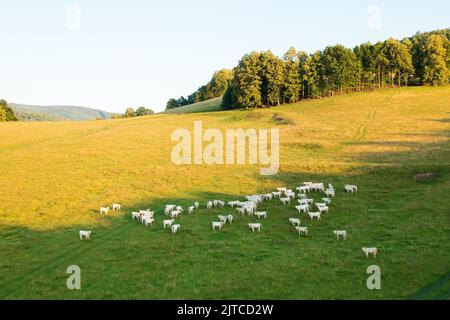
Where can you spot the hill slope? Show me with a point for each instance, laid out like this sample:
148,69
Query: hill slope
56,175
54,113
204,106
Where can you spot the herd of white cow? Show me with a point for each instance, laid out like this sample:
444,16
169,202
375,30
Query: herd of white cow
249,207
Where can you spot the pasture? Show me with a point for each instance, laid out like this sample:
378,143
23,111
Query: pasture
56,175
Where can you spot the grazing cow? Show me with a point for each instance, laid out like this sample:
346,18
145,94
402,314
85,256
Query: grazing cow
261,214
223,219
285,201
230,218
323,209
302,230
330,186
341,233
281,189
196,204
175,214
255,226
217,224
327,201
313,215
209,205
370,251
136,215
85,234
148,221
116,207
191,209
146,216
330,193
233,203
169,208
276,194
303,202
295,221
179,208
168,223
241,211
249,210
175,228
268,196
302,208
351,188
104,210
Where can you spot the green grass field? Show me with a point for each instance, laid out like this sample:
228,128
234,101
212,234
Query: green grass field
204,106
55,176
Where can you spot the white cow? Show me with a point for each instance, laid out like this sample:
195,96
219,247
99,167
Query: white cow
302,230
223,219
196,204
209,205
191,209
85,234
281,189
327,201
241,211
302,208
295,221
169,208
313,215
217,224
175,214
340,233
323,209
330,193
175,228
168,223
179,208
116,207
255,226
351,188
261,214
104,210
370,251
136,215
276,194
285,201
148,221
230,218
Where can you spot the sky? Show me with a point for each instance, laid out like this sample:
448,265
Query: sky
117,54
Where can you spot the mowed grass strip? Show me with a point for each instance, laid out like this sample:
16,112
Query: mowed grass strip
55,176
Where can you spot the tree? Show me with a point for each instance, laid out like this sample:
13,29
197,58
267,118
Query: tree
143,111
341,67
271,75
366,56
248,82
172,104
435,70
395,59
129,113
7,113
291,81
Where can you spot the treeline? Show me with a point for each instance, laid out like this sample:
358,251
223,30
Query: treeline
6,112
130,113
215,88
263,79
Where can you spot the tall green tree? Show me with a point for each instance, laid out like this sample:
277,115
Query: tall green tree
366,56
248,81
435,70
397,60
272,76
129,113
291,82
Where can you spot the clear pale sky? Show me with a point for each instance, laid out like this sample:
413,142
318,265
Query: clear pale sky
115,54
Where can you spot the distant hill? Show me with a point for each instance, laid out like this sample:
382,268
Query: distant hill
204,106
57,113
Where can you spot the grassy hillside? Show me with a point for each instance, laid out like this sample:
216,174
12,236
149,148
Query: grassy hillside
54,113
56,175
204,106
